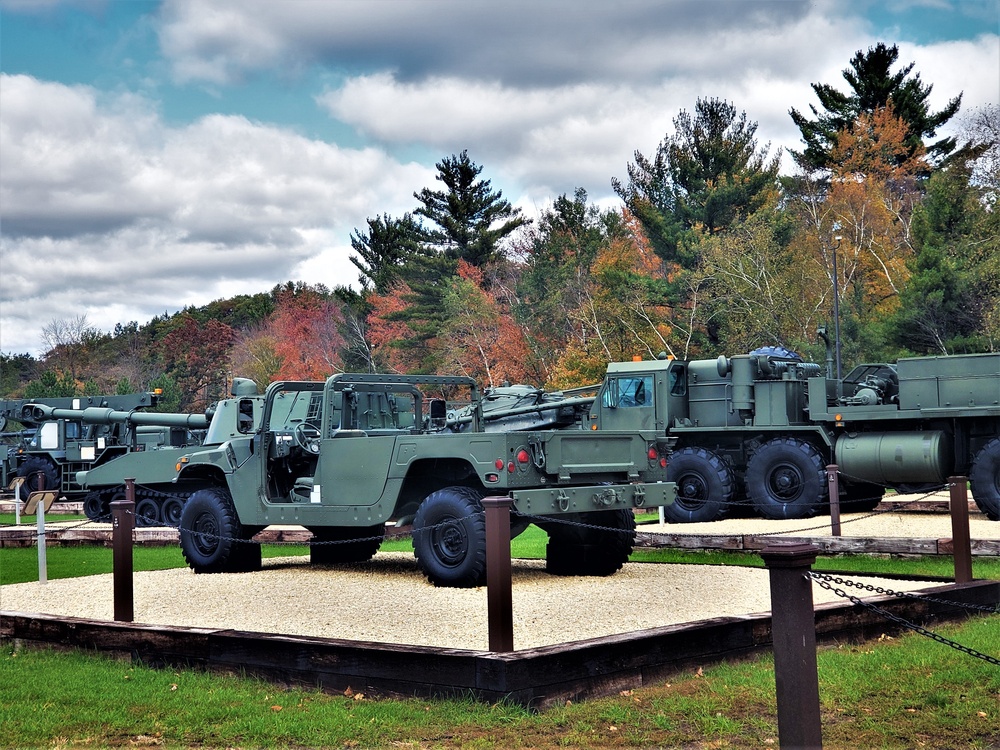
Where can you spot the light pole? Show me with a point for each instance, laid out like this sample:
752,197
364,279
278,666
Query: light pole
836,302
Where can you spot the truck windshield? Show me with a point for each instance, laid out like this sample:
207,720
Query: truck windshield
633,390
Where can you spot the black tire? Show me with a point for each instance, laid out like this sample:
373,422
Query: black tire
95,507
171,511
704,486
586,551
449,537
786,478
985,479
29,470
212,538
332,545
147,512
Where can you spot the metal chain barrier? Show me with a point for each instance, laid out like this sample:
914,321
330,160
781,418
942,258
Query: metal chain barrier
904,594
826,582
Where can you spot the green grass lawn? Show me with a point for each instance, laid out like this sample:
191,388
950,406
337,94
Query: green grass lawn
905,692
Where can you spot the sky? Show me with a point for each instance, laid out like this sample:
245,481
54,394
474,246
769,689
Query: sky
162,154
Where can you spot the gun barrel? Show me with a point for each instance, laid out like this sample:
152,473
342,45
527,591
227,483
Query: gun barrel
104,415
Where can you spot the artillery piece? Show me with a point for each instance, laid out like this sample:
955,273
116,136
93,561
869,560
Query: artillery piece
517,408
59,447
229,424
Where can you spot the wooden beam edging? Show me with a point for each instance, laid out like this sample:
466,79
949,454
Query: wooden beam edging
537,677
828,544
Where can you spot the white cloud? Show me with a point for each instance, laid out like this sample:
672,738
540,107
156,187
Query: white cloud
105,208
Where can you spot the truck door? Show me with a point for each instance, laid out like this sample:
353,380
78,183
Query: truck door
628,402
358,443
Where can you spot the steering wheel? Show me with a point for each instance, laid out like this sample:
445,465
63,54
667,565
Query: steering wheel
307,437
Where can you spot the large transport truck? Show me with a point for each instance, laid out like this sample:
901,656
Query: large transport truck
762,427
60,446
347,456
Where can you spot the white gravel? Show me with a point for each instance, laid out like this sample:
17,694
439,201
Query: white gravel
388,600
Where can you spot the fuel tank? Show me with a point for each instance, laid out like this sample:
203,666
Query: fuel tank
895,457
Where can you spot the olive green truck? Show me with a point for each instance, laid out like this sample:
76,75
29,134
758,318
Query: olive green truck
346,457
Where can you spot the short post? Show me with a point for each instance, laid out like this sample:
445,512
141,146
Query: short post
17,502
960,529
499,596
43,565
793,632
833,484
122,525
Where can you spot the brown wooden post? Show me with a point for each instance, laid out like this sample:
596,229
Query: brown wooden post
793,632
122,526
960,529
833,482
499,596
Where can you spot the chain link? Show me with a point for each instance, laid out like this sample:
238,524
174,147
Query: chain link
826,582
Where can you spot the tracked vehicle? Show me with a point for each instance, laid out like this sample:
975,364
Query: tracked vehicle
60,446
228,423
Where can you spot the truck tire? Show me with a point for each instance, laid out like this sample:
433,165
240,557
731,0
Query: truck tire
582,550
331,545
29,470
985,479
449,537
212,538
786,479
704,486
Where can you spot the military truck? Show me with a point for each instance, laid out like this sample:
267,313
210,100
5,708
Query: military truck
765,425
58,447
346,456
156,442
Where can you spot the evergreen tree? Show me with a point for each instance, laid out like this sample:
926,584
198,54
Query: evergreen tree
387,246
943,305
873,85
469,219
705,176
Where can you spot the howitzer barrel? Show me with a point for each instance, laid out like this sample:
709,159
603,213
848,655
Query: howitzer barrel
103,415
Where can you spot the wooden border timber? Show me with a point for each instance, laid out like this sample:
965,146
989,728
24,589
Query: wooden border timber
537,678
827,544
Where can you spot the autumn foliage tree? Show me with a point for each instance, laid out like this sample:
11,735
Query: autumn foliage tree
196,356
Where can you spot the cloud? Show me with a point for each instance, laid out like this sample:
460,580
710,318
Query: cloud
104,207
519,42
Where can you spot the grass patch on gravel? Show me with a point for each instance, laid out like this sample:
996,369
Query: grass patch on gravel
892,693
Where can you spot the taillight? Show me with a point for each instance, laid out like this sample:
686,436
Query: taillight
522,456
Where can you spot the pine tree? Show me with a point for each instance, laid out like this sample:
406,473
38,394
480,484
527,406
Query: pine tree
469,219
705,176
873,85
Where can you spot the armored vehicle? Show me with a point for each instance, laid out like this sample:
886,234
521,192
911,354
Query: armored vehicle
59,446
158,500
346,456
765,425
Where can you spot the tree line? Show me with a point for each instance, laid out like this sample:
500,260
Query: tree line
712,251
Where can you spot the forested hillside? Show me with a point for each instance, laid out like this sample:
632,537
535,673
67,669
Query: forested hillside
710,251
